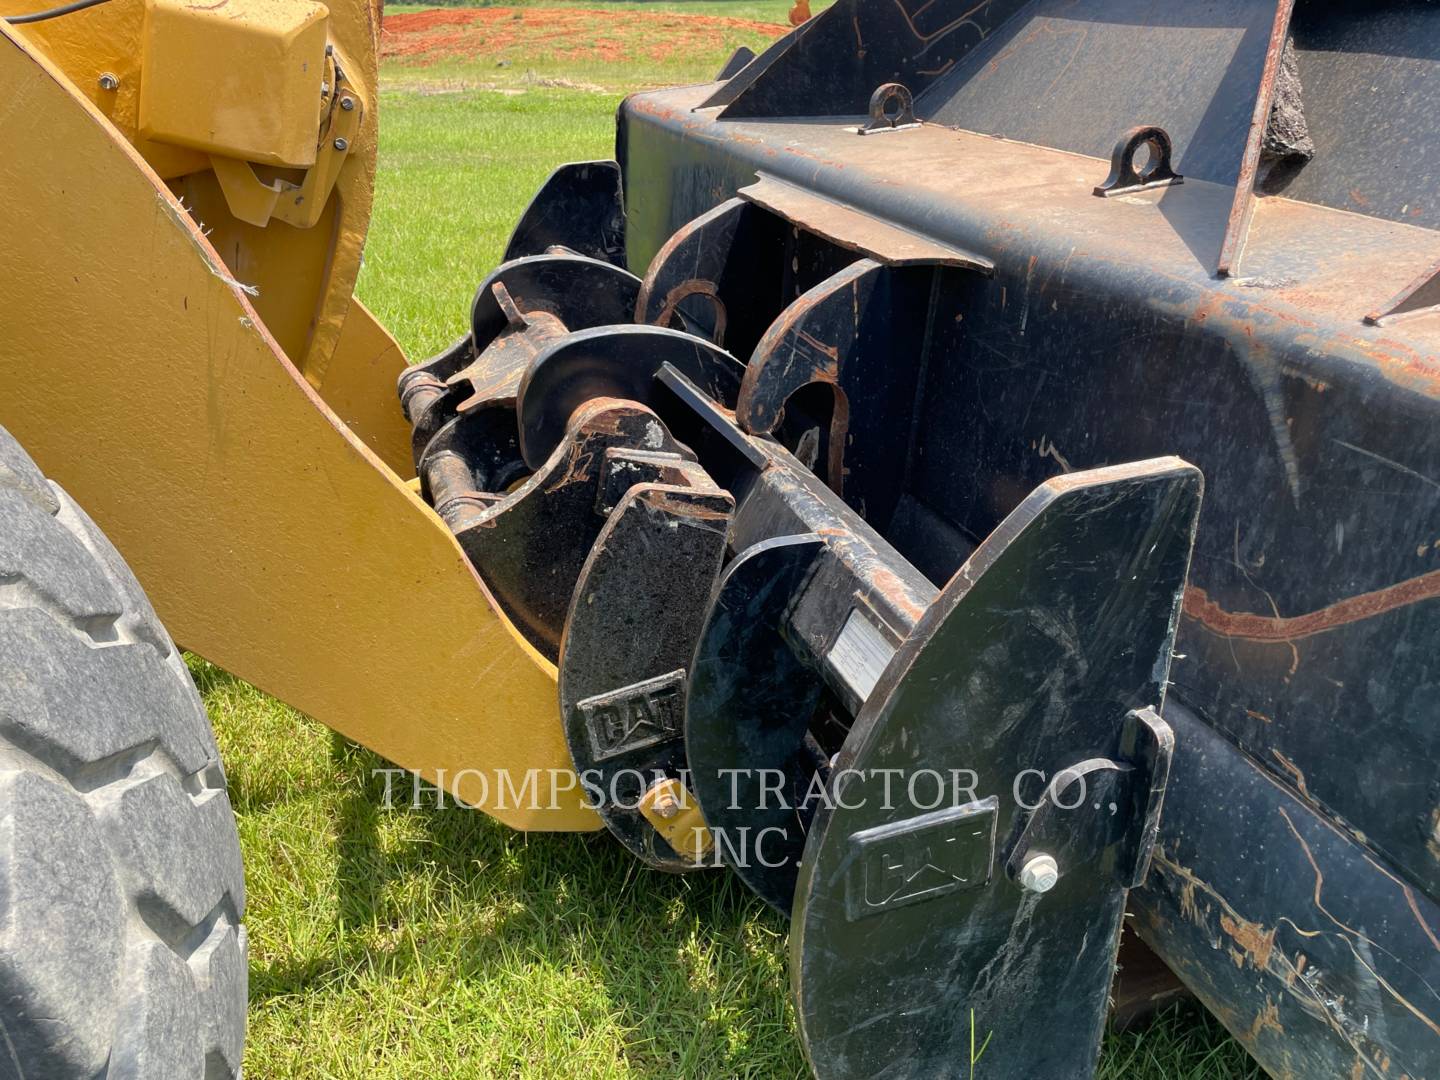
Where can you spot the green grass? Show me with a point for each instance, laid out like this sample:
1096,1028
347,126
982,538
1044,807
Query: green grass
435,942
419,943
456,171
410,943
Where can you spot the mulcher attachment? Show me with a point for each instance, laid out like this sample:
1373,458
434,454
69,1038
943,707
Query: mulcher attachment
941,753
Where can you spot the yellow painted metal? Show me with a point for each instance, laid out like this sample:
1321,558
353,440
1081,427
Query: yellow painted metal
359,387
272,539
102,41
268,55
302,201
673,811
303,278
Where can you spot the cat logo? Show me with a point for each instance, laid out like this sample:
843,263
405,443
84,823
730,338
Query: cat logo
924,858
636,716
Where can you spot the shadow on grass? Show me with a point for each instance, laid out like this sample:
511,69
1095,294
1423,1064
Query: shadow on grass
691,967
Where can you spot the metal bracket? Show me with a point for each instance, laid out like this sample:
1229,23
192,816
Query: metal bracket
617,362
581,208
892,108
737,63
1420,297
256,202
1125,177
530,546
1148,742
1100,804
673,813
1026,661
638,605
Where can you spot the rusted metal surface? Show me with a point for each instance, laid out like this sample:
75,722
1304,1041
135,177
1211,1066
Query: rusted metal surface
1104,335
1420,297
715,257
618,362
530,544
1237,226
727,274
1309,949
520,308
842,335
1307,267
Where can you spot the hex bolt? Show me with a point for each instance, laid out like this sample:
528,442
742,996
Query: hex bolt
341,144
667,806
1039,874
347,103
109,80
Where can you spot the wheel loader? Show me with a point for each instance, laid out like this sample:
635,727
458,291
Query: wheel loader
971,471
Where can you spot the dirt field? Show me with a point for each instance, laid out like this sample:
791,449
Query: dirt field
567,34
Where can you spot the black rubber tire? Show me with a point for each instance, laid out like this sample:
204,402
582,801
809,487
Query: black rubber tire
122,953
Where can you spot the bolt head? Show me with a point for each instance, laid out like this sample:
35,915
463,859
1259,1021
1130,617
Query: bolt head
109,80
342,144
1039,874
347,103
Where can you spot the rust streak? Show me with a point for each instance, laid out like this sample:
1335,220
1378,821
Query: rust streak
1320,883
1268,1019
1256,942
694,287
831,371
1288,969
1294,770
1280,628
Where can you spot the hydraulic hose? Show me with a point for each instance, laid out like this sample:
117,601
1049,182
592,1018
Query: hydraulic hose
52,13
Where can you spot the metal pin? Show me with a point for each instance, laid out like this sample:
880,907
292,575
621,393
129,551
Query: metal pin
341,144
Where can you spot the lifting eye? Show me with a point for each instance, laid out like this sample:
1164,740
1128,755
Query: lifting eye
1141,159
891,106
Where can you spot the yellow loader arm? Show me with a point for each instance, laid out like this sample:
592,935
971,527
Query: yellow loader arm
189,187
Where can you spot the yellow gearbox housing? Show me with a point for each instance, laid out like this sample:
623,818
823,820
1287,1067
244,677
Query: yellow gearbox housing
267,55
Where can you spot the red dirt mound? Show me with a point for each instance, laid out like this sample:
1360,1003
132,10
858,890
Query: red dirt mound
519,34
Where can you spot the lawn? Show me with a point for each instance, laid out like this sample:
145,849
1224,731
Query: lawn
430,942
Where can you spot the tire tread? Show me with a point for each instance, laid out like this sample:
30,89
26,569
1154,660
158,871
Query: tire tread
110,779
